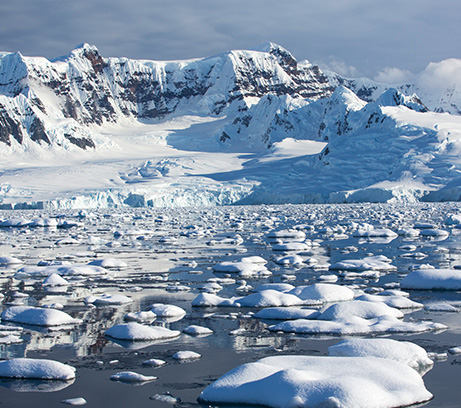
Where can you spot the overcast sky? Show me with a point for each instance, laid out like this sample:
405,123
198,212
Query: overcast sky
357,37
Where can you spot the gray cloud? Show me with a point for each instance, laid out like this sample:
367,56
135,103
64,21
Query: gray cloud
368,35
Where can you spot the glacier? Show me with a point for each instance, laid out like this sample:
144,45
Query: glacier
241,127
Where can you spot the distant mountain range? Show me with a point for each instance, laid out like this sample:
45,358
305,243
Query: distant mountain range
376,136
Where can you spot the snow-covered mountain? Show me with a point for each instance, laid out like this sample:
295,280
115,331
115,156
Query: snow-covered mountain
54,102
240,127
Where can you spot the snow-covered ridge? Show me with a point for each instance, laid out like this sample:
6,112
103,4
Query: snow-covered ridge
52,102
242,127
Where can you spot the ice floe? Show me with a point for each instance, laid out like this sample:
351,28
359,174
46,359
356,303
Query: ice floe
108,299
195,330
31,368
380,263
186,355
294,381
75,401
432,279
137,332
132,377
37,316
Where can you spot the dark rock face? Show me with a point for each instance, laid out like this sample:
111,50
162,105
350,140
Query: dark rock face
9,127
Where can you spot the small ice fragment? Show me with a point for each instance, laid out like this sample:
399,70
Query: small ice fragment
74,401
186,355
154,362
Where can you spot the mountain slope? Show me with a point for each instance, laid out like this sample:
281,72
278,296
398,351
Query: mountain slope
242,127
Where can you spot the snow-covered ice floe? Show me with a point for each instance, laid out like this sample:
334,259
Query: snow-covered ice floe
30,368
406,352
356,317
379,263
305,381
132,377
108,300
431,279
37,316
138,332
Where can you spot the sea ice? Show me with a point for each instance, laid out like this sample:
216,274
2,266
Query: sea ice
37,316
295,381
164,310
195,330
154,362
380,263
138,332
107,299
323,292
433,279
132,377
108,263
36,369
74,401
186,355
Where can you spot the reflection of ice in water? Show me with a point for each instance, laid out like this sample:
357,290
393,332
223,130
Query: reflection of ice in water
35,385
203,239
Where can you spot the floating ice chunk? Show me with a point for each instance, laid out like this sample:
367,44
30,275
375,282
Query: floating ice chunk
211,287
31,368
399,302
267,298
286,313
63,270
55,280
210,300
408,232
305,381
292,247
455,350
380,263
327,278
138,332
287,234
358,308
375,233
355,325
140,316
74,401
15,223
9,260
37,316
195,330
433,279
164,310
108,263
186,355
154,362
107,299
408,353
243,268
441,307
132,377
167,398
323,292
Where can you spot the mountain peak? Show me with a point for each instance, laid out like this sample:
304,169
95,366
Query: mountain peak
393,97
284,57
